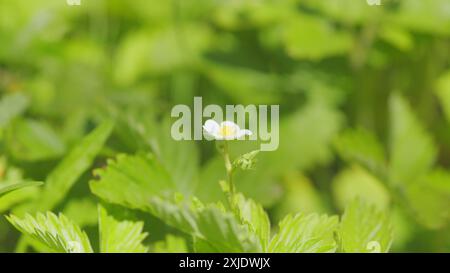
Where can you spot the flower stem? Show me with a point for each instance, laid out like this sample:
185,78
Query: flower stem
229,168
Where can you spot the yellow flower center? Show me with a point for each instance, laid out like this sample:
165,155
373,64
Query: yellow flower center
227,131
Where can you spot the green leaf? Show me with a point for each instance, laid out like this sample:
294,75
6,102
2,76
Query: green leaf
364,229
175,214
429,17
357,183
82,211
33,140
308,37
223,233
12,106
148,187
255,217
120,236
142,176
10,188
217,229
305,234
413,151
171,244
360,146
429,205
443,92
56,232
62,178
180,158
300,195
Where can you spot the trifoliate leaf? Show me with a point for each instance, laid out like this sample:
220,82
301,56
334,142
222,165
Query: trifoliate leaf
56,232
305,234
147,187
364,229
120,236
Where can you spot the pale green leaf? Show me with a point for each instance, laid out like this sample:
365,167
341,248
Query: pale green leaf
254,215
308,37
12,106
305,234
364,229
180,158
142,175
33,140
356,183
429,205
222,231
10,188
58,233
82,211
413,151
120,236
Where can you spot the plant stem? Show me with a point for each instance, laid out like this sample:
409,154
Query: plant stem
229,168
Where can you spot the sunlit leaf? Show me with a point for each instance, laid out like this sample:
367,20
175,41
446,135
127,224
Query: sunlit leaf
305,234
56,232
120,236
364,229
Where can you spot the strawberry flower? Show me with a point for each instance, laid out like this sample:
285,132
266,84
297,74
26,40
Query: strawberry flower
226,130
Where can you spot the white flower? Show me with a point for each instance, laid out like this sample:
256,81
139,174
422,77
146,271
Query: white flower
227,130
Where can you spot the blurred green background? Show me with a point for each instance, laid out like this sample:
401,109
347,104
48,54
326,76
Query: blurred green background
364,93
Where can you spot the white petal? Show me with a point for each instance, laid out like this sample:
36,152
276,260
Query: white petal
218,137
211,127
231,124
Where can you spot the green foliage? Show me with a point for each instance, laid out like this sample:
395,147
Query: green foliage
7,189
171,244
85,101
62,178
12,106
305,234
364,229
360,146
56,232
409,174
120,237
413,152
143,177
59,234
253,215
